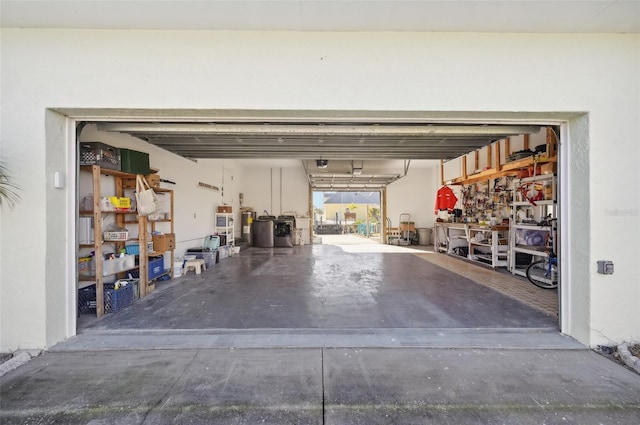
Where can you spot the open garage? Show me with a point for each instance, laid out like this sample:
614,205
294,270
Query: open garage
229,168
234,118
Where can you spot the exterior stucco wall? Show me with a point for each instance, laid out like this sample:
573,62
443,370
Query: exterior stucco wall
597,75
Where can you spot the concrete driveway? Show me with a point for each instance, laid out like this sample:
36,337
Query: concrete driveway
286,337
321,386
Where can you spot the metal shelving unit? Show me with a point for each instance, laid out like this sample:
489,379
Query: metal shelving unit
526,236
495,249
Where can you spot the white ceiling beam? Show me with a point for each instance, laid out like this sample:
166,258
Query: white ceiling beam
315,130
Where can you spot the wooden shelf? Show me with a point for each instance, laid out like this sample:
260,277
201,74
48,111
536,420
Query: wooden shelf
508,169
527,162
87,278
108,172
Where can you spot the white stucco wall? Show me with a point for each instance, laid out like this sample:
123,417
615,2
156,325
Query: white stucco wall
277,190
497,73
414,194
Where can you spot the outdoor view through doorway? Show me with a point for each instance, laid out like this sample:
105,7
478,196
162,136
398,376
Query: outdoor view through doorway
347,213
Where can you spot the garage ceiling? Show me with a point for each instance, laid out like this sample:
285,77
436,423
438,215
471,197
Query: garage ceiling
318,140
336,156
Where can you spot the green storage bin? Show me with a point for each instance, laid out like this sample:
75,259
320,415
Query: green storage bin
134,162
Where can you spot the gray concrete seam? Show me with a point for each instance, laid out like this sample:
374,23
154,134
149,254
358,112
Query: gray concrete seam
18,359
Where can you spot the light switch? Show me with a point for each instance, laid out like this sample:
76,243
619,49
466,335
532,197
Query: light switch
58,180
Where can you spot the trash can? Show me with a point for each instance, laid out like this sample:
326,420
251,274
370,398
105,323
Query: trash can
424,236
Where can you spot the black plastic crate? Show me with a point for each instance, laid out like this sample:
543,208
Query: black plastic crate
98,153
114,299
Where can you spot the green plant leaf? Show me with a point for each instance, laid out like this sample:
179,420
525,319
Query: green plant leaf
8,190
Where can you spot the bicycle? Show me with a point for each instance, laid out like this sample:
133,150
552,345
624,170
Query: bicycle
544,273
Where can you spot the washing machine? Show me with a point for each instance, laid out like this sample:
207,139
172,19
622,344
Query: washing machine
283,231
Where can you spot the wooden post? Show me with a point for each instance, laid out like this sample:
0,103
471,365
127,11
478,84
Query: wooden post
464,166
312,214
385,230
507,147
498,161
489,158
552,143
143,269
97,237
526,142
477,160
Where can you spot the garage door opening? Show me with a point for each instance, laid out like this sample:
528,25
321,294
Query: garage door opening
347,213
266,184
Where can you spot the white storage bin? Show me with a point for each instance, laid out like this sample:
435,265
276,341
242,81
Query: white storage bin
118,265
127,262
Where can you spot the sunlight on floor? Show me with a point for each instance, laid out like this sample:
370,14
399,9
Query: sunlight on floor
512,286
357,244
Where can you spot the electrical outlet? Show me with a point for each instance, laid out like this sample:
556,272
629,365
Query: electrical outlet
605,267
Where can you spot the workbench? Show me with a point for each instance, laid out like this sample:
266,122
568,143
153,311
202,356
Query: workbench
487,245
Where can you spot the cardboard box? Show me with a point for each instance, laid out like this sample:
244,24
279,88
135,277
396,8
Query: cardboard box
166,242
407,226
152,179
224,209
548,168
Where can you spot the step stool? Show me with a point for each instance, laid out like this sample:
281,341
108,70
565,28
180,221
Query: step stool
196,265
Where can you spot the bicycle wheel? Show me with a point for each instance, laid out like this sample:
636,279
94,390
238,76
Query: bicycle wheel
541,275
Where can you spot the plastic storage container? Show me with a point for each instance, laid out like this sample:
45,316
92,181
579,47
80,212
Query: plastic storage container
97,153
210,257
156,267
114,299
118,265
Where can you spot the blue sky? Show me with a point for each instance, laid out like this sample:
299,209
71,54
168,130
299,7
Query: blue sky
318,198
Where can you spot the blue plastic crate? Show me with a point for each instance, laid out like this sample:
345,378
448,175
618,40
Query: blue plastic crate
156,267
118,299
134,248
114,300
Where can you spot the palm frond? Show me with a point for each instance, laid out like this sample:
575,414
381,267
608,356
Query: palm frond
8,190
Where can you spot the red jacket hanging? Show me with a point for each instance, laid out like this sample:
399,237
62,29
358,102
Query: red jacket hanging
445,199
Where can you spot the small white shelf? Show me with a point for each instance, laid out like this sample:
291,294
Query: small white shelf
224,226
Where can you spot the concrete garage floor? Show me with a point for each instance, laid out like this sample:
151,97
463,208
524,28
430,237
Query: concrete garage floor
324,287
373,338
